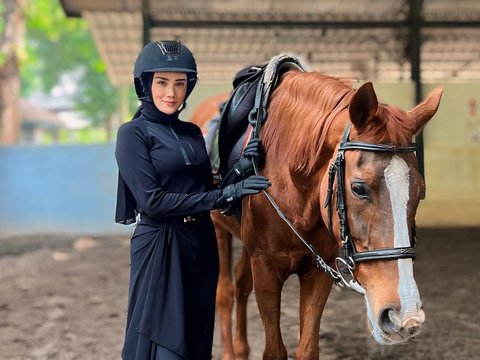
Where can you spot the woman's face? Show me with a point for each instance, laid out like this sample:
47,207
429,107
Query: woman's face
169,90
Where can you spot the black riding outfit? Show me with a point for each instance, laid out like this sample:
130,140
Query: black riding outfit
165,185
174,258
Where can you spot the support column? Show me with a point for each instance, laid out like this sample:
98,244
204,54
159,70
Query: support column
147,21
415,59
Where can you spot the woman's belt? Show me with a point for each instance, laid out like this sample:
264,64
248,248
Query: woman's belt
187,219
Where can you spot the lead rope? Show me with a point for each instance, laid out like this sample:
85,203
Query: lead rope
256,117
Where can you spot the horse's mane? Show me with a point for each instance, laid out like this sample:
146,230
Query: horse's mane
304,107
300,112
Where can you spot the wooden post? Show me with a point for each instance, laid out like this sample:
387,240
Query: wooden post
10,38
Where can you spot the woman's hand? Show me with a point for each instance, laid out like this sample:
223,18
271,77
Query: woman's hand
235,192
253,152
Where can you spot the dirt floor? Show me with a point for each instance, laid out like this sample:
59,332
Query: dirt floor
65,298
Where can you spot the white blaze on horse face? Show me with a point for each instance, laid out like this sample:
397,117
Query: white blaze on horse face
398,184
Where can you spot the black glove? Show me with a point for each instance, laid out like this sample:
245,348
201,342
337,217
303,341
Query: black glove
253,151
235,192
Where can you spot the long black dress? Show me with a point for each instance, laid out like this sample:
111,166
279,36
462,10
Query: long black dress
165,175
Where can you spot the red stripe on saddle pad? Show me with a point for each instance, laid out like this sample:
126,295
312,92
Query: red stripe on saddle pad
249,133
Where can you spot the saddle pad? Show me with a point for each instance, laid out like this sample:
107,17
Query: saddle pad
234,118
210,134
253,86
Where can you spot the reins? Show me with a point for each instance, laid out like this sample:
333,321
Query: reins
256,118
336,276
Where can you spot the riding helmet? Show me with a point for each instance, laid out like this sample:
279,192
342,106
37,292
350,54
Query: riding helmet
163,56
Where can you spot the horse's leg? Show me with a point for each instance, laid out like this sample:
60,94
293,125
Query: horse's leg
224,300
243,287
268,287
315,287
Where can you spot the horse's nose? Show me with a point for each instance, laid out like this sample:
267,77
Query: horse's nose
388,320
408,325
412,324
412,327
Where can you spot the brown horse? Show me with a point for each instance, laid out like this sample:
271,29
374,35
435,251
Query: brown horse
370,173
207,109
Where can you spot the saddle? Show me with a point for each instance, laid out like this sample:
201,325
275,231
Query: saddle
246,108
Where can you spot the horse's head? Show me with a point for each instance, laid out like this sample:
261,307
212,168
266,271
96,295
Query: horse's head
381,192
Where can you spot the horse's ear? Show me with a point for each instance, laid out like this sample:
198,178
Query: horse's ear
363,106
424,111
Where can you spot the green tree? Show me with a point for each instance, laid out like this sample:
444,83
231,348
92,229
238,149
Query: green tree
56,45
97,99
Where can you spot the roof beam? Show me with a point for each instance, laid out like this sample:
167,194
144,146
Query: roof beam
350,24
354,24
146,21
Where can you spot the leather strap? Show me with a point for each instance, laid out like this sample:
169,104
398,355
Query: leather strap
384,254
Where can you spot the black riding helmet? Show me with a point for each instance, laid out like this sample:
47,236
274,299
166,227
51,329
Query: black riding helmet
163,56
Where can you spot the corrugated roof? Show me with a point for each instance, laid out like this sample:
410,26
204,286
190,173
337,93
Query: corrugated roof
365,39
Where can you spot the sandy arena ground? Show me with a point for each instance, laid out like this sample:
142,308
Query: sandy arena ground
65,298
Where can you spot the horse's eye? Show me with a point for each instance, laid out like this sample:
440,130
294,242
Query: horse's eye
360,190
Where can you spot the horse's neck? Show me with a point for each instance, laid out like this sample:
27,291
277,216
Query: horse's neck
296,194
299,191
304,132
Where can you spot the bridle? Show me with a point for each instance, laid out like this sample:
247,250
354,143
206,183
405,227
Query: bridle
346,262
337,170
350,257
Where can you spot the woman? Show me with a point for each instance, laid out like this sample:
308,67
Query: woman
165,176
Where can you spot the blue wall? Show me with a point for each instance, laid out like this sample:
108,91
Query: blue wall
59,189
